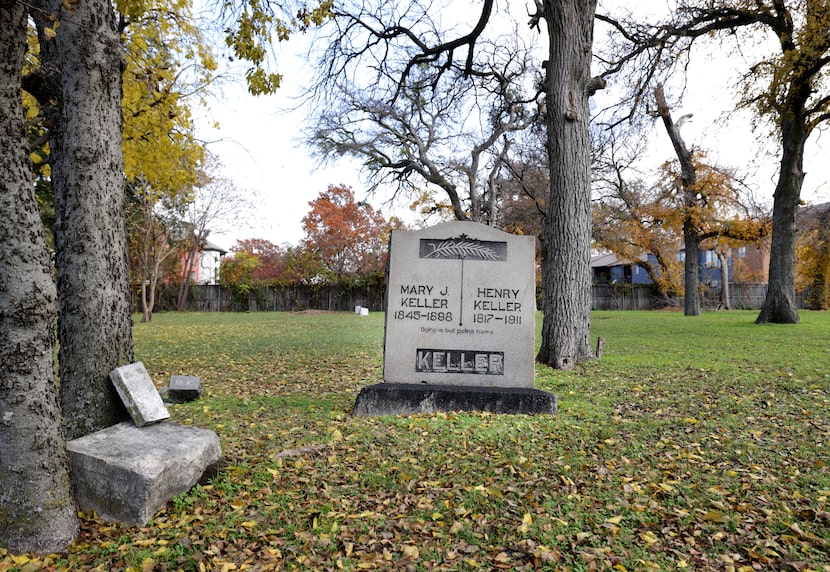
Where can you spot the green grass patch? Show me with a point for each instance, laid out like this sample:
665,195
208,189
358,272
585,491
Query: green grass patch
694,444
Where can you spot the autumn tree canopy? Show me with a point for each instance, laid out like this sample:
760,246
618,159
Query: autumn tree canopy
635,215
272,258
349,237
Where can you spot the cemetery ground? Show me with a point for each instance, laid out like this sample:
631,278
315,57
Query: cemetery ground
693,444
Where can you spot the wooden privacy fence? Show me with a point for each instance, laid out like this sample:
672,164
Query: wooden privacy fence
742,295
292,298
337,298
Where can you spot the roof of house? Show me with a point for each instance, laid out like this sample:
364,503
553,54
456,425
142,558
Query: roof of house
611,259
210,246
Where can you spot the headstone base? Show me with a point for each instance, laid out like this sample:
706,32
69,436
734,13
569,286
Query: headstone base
127,473
410,398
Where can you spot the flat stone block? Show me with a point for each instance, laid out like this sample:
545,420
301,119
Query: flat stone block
184,388
127,473
409,398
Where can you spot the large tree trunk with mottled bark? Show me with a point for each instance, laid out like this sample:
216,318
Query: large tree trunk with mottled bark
94,324
37,512
566,229
780,305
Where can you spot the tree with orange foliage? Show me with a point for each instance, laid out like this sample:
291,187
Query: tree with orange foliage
349,237
271,258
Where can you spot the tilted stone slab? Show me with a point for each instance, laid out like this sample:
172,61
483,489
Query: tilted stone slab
127,473
138,393
184,388
407,399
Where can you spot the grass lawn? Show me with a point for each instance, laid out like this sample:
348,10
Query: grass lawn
694,444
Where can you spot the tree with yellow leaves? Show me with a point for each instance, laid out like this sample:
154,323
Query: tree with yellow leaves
633,217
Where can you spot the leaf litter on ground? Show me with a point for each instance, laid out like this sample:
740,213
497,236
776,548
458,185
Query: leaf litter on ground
694,444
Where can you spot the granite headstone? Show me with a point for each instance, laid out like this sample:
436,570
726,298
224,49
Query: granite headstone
461,307
184,388
460,324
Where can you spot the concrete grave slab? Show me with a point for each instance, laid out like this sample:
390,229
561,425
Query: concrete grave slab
138,393
184,388
127,473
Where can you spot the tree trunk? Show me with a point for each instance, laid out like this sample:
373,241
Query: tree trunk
146,308
780,305
566,229
94,323
691,269
688,179
725,303
37,512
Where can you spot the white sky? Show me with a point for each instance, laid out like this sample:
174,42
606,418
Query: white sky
257,142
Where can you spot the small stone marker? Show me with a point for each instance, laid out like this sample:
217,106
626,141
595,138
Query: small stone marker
138,393
184,388
460,324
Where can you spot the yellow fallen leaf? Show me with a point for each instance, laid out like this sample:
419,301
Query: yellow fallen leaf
648,537
527,520
49,33
410,551
713,515
614,520
249,524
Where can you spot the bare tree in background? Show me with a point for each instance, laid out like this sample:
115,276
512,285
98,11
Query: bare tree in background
453,134
216,205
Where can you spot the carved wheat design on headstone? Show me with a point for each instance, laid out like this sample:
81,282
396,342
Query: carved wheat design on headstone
460,248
